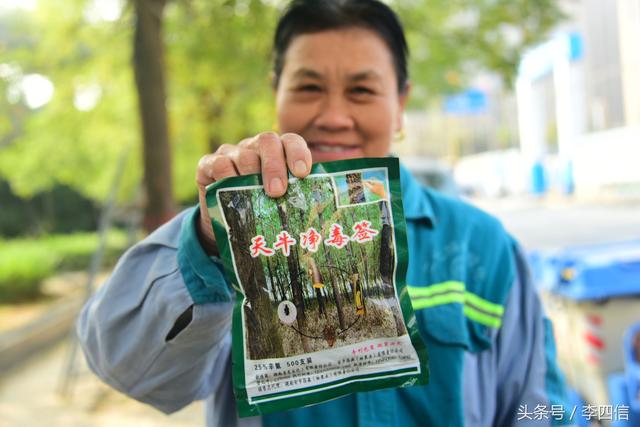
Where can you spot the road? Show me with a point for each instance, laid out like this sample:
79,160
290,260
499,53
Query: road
543,225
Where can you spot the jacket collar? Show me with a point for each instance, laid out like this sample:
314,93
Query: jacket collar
417,204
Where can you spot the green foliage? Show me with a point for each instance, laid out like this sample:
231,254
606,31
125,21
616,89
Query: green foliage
217,59
58,143
452,40
25,263
21,273
218,67
59,210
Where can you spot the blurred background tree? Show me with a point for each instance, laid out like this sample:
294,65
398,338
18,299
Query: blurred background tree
149,71
216,74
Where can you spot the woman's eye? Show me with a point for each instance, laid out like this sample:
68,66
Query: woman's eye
308,88
362,90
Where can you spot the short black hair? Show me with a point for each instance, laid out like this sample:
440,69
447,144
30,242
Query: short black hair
310,16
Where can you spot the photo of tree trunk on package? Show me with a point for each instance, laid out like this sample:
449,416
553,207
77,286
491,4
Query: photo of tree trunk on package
321,306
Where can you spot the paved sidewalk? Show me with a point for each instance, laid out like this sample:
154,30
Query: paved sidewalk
29,397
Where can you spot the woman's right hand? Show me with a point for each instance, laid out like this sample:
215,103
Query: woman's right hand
267,152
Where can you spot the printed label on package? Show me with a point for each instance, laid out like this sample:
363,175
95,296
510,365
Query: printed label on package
321,307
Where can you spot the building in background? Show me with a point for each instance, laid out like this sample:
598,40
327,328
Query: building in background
629,38
571,124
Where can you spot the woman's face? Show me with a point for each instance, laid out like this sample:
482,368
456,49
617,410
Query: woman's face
338,90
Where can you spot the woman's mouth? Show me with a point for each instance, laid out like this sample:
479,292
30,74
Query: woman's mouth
321,151
332,148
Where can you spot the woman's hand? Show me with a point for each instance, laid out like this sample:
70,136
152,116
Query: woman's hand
376,187
266,152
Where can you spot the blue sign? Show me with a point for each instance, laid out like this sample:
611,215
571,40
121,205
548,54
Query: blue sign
471,101
576,47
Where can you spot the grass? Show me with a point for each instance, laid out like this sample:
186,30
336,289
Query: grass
26,262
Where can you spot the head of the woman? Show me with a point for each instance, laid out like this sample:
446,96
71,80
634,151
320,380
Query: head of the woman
340,76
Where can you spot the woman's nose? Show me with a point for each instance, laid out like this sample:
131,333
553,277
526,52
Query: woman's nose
334,114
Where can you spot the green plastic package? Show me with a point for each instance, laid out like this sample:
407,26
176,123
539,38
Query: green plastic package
321,305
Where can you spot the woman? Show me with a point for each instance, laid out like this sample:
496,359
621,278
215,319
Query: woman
159,329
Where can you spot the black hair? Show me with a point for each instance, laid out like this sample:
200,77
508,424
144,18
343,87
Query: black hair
310,16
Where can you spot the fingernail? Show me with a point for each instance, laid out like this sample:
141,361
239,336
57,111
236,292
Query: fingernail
300,167
275,186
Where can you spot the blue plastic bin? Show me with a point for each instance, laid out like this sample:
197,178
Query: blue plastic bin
632,365
592,295
591,272
618,393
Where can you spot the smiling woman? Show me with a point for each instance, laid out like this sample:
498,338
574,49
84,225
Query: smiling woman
338,92
159,330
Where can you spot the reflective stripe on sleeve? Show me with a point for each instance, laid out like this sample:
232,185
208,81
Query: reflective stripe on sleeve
453,292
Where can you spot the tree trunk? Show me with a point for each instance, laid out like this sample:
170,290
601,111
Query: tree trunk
387,260
281,281
294,277
334,286
365,260
317,283
356,196
356,190
263,336
148,62
276,287
337,299
273,286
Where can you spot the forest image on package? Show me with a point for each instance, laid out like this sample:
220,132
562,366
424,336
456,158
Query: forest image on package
323,256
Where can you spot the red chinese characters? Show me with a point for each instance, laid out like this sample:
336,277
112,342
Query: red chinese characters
310,240
284,241
337,238
259,247
363,232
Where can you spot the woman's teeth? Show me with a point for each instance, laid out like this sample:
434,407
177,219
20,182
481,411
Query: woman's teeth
332,148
